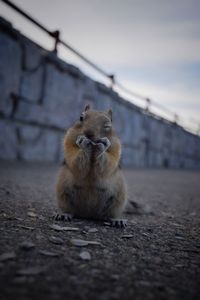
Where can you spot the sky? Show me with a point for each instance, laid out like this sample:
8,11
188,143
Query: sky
152,46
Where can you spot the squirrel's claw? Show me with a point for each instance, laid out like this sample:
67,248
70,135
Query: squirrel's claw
63,217
83,142
105,141
120,223
102,145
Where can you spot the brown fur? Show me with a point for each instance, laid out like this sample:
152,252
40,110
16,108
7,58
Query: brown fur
90,183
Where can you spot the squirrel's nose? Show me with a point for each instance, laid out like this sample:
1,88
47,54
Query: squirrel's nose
90,134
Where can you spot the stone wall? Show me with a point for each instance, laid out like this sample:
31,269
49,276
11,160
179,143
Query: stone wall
41,96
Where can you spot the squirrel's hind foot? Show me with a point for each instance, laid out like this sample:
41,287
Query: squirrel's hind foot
63,217
120,223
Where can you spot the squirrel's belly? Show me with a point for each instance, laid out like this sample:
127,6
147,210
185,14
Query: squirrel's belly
91,203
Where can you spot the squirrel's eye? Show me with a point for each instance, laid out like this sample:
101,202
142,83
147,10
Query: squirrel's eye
107,127
82,117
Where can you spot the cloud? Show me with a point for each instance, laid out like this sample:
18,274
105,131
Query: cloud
153,46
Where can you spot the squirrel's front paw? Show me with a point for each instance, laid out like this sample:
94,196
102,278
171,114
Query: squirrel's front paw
83,142
102,145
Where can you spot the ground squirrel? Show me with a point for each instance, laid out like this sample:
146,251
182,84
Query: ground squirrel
90,183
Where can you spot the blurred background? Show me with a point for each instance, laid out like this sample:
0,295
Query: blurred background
144,62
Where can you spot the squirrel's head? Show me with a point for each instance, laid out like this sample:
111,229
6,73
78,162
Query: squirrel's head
95,124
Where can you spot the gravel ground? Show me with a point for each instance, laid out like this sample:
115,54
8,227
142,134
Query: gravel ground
156,257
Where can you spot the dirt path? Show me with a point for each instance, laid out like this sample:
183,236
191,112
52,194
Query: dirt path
156,257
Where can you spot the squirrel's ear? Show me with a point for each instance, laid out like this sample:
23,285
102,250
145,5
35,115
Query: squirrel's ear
110,113
87,107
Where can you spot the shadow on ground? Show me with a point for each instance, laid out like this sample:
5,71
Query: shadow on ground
156,257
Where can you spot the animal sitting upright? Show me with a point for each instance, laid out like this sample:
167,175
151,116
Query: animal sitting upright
90,183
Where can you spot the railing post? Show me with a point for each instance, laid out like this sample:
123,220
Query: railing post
148,103
112,79
176,118
56,35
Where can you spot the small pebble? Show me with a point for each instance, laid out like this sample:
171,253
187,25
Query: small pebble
92,230
27,245
31,271
85,255
179,237
82,243
31,214
60,228
133,268
26,227
107,223
7,256
115,277
49,253
127,236
56,240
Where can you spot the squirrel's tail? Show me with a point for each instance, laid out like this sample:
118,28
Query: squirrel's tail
136,208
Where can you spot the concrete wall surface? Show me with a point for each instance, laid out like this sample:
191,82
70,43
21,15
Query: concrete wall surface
41,96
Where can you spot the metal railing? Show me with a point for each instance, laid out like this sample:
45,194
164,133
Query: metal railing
111,77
